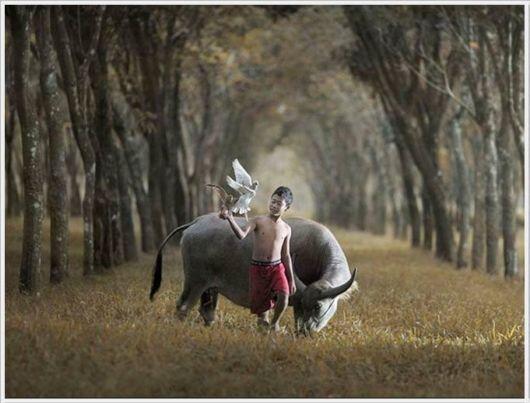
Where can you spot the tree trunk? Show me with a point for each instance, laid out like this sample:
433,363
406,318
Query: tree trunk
362,206
13,201
491,197
408,185
379,195
169,126
107,183
127,225
479,221
150,68
32,171
71,164
77,108
501,60
463,195
433,185
131,150
508,200
58,179
155,192
428,222
393,194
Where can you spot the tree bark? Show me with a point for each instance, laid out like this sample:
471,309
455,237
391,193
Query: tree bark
487,124
58,179
13,201
74,83
147,52
20,19
109,247
361,204
168,122
479,220
131,150
508,200
492,198
463,195
71,164
408,185
428,221
393,194
379,195
503,68
127,225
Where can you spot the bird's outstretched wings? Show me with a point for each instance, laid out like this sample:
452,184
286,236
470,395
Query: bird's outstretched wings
242,189
242,176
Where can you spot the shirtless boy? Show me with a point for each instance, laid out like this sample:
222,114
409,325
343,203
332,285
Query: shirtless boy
271,271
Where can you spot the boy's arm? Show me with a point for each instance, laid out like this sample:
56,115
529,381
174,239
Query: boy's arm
286,260
240,233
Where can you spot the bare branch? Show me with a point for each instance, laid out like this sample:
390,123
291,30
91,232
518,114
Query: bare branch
447,90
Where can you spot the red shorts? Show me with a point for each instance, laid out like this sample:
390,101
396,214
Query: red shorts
265,282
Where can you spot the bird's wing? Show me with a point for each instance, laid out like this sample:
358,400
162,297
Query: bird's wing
242,176
236,186
242,205
249,190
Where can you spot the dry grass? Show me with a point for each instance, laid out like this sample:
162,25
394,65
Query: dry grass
417,328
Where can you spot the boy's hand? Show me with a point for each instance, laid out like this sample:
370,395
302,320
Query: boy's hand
224,213
292,287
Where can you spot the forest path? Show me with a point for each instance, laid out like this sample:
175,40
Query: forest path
416,328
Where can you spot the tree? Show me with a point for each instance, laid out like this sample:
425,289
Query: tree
57,197
130,144
508,29
463,191
13,197
20,21
382,55
108,242
74,72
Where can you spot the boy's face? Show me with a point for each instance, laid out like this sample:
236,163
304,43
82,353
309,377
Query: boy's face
277,205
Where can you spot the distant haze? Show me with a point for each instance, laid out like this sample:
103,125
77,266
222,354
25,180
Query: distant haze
283,167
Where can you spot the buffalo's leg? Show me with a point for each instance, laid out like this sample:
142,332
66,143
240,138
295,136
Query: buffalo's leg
189,297
208,305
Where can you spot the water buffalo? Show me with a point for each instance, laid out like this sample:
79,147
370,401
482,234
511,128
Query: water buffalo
215,261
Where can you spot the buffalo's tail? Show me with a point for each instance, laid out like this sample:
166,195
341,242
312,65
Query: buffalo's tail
157,269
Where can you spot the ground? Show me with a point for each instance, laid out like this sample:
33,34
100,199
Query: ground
416,328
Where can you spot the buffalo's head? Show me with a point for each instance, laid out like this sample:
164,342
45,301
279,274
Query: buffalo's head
315,304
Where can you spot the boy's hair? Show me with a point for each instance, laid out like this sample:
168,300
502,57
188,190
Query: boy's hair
285,193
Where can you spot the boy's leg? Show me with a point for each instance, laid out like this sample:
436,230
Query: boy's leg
263,319
282,299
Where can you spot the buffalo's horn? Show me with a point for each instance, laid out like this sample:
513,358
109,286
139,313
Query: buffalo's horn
332,292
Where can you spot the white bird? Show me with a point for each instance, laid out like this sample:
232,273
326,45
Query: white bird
244,186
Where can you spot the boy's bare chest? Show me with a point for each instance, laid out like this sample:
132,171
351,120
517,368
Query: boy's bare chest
272,232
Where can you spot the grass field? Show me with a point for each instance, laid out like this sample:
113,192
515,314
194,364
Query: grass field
416,328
